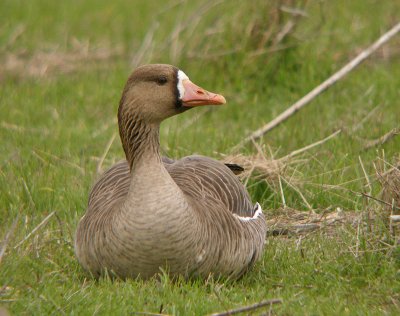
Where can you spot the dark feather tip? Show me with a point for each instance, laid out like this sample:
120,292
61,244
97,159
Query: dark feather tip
236,169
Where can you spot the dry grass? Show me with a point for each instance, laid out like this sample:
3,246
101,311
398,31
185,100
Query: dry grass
390,181
259,167
291,222
55,61
275,171
287,221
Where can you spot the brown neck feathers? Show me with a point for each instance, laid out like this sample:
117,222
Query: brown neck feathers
138,138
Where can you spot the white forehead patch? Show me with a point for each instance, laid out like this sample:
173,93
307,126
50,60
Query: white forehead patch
181,76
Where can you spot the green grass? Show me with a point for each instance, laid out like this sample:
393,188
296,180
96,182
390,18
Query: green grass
55,127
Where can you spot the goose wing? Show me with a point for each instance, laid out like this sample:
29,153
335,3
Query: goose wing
111,188
199,177
113,185
203,178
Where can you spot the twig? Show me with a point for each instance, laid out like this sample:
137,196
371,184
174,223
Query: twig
320,88
202,55
282,194
287,28
366,175
219,297
383,139
392,167
249,308
104,127
274,49
305,228
168,7
61,227
175,47
391,228
28,192
299,193
395,218
149,314
293,11
79,168
40,158
246,181
194,118
301,150
18,31
192,20
7,238
107,149
22,129
44,222
364,119
374,198
358,239
137,59
277,231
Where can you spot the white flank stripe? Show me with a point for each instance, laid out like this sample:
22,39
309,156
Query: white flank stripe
255,216
181,76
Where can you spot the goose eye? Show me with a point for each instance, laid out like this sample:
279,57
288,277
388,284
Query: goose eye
161,81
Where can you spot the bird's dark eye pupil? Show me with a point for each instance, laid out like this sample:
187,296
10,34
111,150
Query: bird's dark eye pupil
161,80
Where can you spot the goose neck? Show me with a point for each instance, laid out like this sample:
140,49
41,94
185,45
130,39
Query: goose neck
140,140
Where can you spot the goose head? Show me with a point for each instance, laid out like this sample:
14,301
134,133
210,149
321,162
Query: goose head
156,92
152,94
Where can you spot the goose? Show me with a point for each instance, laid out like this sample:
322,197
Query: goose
190,217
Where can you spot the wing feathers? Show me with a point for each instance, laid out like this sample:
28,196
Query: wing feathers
198,177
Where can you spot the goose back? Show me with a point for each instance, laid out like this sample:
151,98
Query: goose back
199,177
